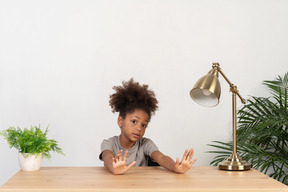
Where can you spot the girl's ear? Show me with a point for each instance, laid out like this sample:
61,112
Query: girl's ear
120,121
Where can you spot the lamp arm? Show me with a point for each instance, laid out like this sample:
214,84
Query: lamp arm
233,88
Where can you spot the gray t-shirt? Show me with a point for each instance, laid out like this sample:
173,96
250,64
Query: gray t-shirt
140,152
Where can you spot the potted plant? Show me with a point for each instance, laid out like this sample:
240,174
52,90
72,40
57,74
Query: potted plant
32,145
262,134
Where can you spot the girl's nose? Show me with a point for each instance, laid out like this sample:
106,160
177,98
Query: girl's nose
138,128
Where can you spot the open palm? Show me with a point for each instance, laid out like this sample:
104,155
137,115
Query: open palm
186,163
119,164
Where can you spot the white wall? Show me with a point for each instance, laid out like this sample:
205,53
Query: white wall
59,60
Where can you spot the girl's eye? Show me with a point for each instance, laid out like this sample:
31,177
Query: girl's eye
143,125
133,121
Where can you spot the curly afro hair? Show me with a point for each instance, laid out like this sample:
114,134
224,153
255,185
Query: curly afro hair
130,96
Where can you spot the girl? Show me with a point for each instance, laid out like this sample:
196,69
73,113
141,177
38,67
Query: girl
136,104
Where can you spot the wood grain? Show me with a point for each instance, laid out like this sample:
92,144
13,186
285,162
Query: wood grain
140,179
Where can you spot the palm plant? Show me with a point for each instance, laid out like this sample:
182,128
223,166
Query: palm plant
262,134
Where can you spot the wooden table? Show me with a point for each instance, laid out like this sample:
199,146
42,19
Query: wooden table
140,179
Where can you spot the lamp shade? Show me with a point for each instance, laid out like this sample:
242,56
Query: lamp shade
207,90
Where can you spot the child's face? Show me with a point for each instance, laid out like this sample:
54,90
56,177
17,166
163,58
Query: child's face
133,126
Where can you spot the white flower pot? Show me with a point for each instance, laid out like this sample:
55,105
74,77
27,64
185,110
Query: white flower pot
29,163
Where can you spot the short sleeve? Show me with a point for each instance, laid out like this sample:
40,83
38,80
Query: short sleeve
149,146
107,144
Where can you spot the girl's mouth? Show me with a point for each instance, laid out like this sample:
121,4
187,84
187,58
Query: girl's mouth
136,135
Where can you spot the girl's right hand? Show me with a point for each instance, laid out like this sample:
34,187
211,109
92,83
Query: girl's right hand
119,164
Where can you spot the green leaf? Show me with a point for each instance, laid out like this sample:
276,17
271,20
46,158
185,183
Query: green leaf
32,140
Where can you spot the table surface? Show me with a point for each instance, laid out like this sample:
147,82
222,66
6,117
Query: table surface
140,179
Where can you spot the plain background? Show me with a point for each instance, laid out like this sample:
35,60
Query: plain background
60,59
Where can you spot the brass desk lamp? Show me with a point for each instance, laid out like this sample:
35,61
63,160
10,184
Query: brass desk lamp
206,92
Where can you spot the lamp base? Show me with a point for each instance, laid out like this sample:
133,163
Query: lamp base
234,163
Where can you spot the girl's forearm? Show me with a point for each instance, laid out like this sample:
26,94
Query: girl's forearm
107,157
167,162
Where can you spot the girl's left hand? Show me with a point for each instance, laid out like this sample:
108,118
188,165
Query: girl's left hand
186,163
